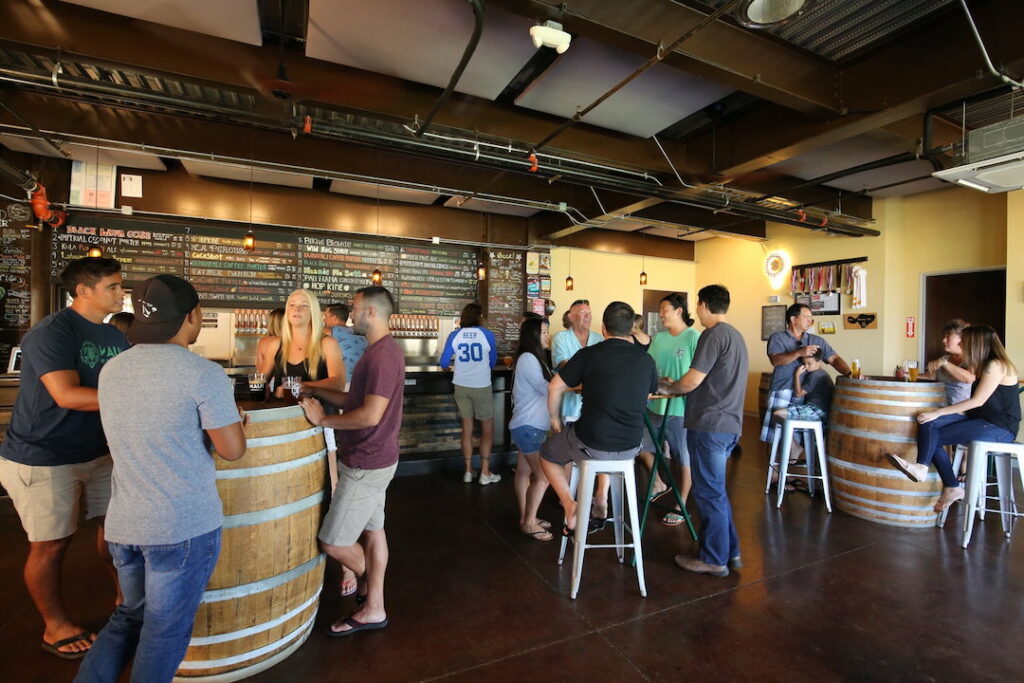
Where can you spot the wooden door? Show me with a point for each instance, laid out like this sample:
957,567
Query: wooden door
978,297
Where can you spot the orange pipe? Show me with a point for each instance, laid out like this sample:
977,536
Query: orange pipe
41,207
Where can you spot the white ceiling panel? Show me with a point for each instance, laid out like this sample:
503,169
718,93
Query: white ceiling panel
392,194
232,19
420,41
652,102
258,175
490,207
84,153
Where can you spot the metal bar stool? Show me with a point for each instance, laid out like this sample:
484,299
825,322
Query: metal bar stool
975,499
586,471
814,448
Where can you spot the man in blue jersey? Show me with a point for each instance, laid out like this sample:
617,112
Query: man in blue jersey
352,345
474,352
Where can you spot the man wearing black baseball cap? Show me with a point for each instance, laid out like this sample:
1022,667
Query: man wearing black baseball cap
157,402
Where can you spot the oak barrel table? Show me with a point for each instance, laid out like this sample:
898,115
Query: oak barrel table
261,601
871,417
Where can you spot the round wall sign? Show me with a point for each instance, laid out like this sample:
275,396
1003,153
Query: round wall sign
774,264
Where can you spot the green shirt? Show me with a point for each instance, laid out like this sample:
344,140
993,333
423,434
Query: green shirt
672,355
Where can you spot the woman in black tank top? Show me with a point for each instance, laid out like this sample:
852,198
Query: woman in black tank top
302,350
992,413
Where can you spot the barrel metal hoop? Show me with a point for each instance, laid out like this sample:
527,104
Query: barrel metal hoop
853,391
198,641
930,517
233,592
879,416
270,514
246,656
873,436
262,441
896,474
882,489
274,414
246,472
878,402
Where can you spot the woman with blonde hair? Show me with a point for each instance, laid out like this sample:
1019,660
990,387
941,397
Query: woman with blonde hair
992,413
301,350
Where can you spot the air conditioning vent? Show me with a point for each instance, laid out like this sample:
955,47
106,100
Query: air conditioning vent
995,156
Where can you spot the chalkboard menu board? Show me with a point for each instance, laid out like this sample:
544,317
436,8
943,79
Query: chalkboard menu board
505,280
15,278
424,279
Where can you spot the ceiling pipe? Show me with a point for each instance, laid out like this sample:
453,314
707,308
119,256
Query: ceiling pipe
47,139
478,26
900,158
984,53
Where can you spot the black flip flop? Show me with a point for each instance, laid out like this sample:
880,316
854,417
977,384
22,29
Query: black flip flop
54,648
355,627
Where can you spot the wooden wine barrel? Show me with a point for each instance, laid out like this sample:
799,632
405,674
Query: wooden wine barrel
763,390
262,599
870,418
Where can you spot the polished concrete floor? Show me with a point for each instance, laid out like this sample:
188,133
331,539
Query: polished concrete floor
821,598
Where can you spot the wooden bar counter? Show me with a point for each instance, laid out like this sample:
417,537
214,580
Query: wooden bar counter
262,599
871,417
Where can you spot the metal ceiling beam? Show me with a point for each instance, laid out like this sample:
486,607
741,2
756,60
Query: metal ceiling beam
723,52
51,26
936,64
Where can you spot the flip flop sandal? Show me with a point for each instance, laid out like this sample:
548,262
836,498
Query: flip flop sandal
54,648
355,626
537,535
671,519
544,523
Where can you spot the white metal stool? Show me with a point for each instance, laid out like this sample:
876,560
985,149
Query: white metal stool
960,466
586,471
975,499
814,449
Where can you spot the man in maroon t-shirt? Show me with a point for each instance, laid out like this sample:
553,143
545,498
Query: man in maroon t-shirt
367,432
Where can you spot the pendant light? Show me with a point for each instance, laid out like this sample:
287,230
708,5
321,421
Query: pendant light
95,252
568,278
377,277
249,241
481,272
643,266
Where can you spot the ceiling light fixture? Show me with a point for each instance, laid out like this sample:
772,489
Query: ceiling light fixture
249,241
770,13
550,34
95,252
481,272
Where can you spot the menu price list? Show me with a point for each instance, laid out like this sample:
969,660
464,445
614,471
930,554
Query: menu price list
424,279
505,296
15,284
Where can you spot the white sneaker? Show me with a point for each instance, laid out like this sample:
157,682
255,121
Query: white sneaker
467,478
914,471
486,479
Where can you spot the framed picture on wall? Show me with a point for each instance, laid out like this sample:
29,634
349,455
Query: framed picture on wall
773,319
821,303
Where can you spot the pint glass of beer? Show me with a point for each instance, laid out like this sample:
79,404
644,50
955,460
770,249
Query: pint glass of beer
912,370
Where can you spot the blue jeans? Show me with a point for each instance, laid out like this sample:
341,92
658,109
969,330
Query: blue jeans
953,429
162,587
708,454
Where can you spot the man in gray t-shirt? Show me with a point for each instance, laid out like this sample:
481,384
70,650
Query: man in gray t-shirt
785,351
715,386
159,403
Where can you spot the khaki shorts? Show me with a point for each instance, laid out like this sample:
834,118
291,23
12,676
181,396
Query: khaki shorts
48,498
357,505
473,402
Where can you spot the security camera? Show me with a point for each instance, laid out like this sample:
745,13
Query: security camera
550,34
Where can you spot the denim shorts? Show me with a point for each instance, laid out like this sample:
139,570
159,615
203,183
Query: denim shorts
528,439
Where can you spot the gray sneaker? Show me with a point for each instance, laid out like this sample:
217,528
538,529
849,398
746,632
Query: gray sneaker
735,562
692,564
486,479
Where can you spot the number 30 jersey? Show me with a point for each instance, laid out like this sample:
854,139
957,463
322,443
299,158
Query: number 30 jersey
474,353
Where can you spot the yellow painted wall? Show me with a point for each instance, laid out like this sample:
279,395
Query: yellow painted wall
603,278
1015,281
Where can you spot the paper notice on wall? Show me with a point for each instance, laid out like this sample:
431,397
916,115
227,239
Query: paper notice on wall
92,184
131,185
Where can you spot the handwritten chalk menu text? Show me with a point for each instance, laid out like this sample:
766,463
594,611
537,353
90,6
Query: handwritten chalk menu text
424,279
15,286
505,281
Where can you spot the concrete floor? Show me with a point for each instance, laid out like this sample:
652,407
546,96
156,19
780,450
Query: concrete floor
821,598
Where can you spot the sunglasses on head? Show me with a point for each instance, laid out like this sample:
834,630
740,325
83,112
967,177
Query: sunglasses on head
580,301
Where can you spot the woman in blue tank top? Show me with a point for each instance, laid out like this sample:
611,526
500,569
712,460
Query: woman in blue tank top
992,413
